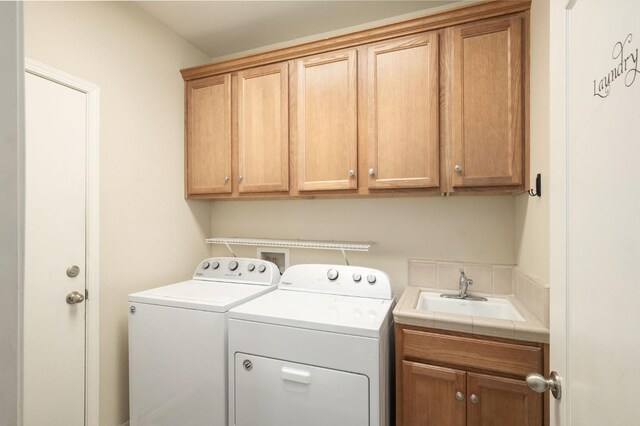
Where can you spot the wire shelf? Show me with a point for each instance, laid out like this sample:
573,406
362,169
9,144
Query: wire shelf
306,244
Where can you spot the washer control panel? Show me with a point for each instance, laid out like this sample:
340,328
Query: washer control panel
238,269
343,280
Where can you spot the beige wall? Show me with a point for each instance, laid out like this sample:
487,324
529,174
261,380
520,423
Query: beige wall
479,229
149,234
532,213
11,207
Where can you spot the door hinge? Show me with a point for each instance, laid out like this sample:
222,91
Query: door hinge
86,294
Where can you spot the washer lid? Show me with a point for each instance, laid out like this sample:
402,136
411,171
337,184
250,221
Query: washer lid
201,295
357,316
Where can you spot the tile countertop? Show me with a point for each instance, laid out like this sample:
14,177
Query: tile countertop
530,330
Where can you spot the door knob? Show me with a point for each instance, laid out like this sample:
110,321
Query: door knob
75,297
538,383
73,271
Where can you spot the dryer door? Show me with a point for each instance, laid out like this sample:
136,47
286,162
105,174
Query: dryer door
271,392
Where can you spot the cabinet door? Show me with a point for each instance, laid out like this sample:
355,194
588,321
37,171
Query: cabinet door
208,139
502,401
263,129
429,395
326,136
402,112
487,110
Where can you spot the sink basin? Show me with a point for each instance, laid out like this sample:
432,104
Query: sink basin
492,308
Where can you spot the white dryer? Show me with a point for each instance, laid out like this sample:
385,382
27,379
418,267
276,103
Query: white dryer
315,352
178,342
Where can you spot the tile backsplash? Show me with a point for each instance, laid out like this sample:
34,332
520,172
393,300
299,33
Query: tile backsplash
533,294
487,278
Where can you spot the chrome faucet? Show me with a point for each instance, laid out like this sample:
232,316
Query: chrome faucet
464,284
464,287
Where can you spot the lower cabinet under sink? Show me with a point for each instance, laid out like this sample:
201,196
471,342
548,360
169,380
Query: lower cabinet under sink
457,379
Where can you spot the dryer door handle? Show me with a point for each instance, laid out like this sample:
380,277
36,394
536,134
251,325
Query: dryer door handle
293,375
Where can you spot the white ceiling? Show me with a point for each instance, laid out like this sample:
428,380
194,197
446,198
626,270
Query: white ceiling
221,28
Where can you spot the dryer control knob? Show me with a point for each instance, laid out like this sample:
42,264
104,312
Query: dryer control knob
371,279
215,265
233,265
205,265
251,267
261,268
357,277
332,274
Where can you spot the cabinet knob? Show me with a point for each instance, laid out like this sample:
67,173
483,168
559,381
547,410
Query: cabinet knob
474,398
457,168
352,173
240,178
372,171
459,396
226,178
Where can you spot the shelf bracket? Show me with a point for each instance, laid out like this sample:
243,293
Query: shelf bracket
344,254
230,250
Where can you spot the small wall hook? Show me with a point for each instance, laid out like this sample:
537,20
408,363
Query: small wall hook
538,191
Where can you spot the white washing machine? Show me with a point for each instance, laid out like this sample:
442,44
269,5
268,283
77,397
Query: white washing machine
178,342
315,352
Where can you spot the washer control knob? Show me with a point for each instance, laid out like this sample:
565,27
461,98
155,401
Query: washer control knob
233,265
215,265
332,274
251,267
205,265
261,268
371,279
357,277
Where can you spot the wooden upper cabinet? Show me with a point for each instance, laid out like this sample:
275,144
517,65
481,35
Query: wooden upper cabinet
487,104
324,126
429,396
433,104
208,136
502,401
402,112
263,129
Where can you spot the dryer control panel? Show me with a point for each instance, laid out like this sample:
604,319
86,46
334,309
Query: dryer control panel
238,269
344,280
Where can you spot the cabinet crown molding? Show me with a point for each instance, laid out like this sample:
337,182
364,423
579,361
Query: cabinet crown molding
429,22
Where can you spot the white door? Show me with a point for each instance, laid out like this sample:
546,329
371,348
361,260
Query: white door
54,330
595,215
